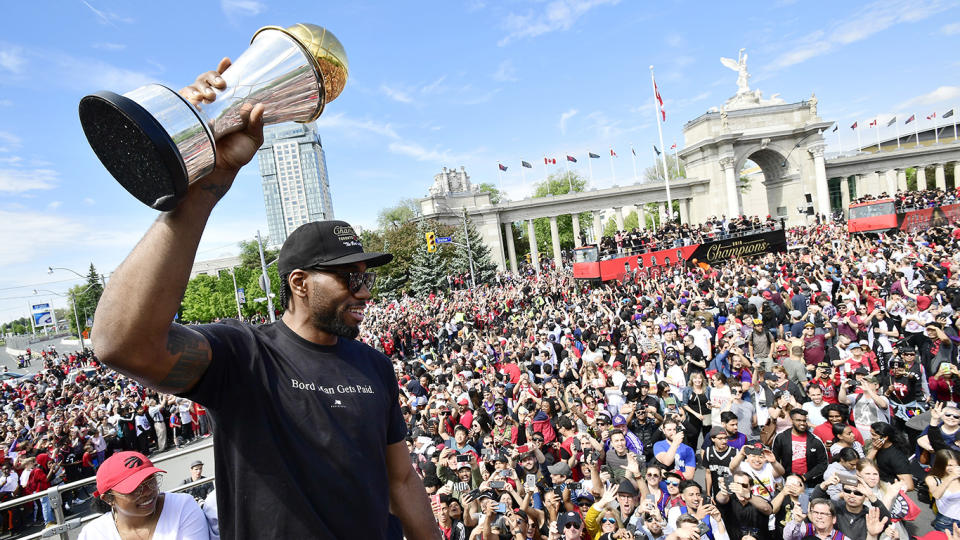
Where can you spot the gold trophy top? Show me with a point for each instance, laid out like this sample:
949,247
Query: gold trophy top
326,51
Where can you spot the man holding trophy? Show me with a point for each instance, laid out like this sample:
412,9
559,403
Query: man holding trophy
310,438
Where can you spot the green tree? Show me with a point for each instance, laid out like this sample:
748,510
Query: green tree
199,300
484,268
555,184
654,172
395,216
428,271
495,195
250,253
85,297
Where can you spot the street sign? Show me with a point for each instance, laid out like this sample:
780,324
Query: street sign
444,239
241,296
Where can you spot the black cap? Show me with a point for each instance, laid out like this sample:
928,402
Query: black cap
627,488
325,243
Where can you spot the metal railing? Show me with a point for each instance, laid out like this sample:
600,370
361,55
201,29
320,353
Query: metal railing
64,526
704,238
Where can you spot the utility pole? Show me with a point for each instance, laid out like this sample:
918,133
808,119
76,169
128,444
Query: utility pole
466,235
236,295
266,279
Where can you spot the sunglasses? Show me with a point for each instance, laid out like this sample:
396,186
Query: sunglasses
950,415
608,520
672,483
355,280
571,525
853,492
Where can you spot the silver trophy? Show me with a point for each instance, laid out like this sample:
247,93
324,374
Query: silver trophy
156,143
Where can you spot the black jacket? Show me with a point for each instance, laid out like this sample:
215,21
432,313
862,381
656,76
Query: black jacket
817,459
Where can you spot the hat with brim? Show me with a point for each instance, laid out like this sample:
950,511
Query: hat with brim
325,243
123,472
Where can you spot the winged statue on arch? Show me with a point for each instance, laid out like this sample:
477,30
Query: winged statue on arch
740,66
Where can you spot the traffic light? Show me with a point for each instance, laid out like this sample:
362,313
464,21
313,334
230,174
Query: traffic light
431,241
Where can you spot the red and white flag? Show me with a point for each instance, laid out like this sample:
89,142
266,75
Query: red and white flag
932,116
674,147
549,161
656,91
854,126
873,122
612,153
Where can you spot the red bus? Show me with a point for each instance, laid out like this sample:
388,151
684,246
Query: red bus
881,215
587,263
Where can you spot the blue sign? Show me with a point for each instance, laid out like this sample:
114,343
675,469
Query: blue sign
444,240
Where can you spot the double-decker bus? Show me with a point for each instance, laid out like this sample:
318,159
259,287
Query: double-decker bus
588,264
882,215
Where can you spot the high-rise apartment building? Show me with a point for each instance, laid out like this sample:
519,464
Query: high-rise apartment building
295,185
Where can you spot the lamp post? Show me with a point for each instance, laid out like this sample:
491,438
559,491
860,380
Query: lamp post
76,317
236,294
50,269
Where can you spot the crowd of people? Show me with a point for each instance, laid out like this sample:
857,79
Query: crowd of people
61,423
676,235
915,199
806,394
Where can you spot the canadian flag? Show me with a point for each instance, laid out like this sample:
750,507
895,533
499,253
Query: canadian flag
932,116
656,91
674,146
873,122
549,161
612,153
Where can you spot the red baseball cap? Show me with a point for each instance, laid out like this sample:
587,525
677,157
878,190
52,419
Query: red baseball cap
123,472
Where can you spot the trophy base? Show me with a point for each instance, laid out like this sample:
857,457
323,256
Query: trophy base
135,149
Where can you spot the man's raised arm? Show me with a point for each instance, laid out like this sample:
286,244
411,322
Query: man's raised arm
134,331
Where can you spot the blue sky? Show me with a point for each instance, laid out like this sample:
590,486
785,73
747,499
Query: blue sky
444,83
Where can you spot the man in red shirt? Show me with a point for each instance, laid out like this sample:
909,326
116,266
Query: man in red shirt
814,346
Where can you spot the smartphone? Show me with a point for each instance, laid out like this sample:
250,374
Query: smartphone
434,500
461,487
574,486
575,445
848,479
505,473
702,528
463,458
498,484
531,482
502,508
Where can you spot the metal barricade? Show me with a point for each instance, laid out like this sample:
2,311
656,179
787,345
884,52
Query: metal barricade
55,494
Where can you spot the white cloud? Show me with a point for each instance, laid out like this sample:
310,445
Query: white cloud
87,73
53,205
675,40
23,180
8,141
30,235
109,46
396,94
351,126
941,94
88,201
861,24
475,5
436,87
420,153
556,15
563,120
242,8
107,17
950,29
683,102
482,98
12,59
6,103
505,72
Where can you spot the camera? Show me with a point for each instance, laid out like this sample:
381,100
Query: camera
463,458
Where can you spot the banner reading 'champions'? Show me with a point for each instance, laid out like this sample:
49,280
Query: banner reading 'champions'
754,244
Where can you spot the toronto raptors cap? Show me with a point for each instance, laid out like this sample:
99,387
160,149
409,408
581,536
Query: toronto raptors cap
325,243
123,472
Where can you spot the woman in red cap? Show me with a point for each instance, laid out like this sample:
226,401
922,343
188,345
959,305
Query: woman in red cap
129,485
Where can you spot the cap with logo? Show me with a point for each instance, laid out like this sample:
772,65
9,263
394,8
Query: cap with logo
123,472
325,243
569,517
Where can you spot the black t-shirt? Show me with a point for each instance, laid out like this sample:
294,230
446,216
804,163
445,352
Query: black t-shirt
718,465
302,433
890,463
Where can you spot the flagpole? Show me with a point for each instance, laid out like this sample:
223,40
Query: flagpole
876,129
859,144
663,158
613,172
936,129
500,178
590,165
523,176
566,168
839,141
954,124
633,159
545,175
676,158
916,127
896,125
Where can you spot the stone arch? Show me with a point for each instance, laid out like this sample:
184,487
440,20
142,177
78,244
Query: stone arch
778,165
